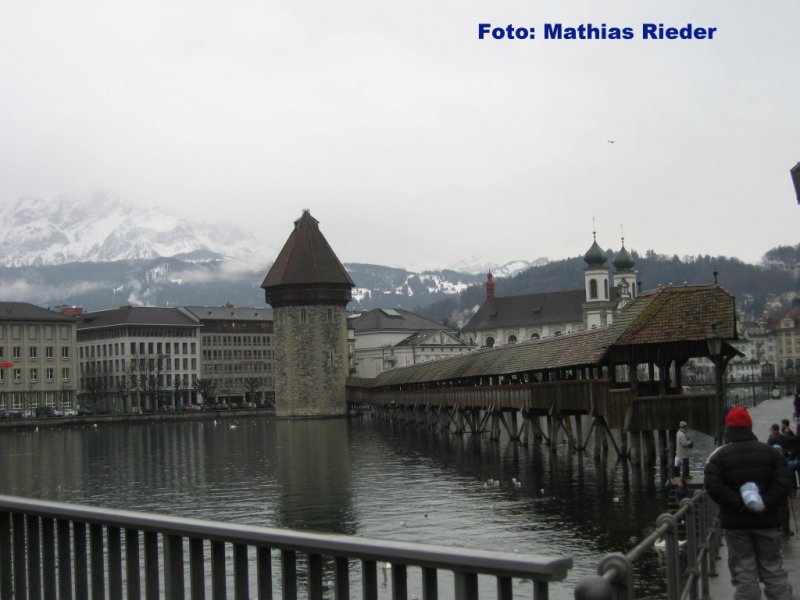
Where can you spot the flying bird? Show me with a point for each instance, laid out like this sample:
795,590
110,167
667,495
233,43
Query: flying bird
612,141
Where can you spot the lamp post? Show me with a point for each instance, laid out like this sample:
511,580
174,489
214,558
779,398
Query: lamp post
714,341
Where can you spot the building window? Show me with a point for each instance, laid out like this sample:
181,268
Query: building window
48,352
65,352
17,352
605,288
65,332
535,336
2,375
490,342
34,375
593,289
17,375
65,374
2,351
49,373
33,332
48,332
16,332
512,339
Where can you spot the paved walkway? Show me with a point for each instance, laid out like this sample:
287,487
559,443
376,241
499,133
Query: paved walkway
764,415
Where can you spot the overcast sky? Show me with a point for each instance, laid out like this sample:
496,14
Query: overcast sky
413,142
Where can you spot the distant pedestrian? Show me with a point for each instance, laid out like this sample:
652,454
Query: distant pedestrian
683,450
783,511
786,429
682,491
774,436
797,406
753,536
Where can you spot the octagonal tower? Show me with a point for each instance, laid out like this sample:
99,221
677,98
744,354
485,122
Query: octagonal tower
308,289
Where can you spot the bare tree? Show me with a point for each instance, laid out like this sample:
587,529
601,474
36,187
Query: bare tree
181,389
205,388
147,377
252,385
95,383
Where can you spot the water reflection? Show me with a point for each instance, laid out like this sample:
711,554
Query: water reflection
359,477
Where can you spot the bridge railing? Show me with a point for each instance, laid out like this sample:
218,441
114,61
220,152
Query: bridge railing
700,518
56,550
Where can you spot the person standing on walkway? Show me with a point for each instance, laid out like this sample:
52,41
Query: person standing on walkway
753,535
683,450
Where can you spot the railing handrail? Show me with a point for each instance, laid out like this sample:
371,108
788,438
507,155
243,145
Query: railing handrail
703,538
501,564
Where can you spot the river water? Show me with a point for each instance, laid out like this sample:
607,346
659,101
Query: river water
357,477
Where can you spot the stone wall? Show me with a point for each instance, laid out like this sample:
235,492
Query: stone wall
310,361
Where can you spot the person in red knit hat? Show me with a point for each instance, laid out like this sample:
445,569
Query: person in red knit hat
753,534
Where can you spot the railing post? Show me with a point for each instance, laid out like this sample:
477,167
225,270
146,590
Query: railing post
173,567
20,579
369,580
114,541
197,569
81,562
151,583
96,552
48,558
616,568
6,587
693,566
671,558
64,560
400,583
34,559
466,586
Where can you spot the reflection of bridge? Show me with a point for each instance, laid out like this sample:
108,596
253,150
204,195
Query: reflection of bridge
626,376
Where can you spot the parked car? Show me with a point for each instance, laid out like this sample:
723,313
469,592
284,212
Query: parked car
47,411
84,412
191,408
70,412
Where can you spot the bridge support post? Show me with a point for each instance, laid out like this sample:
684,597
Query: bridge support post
636,447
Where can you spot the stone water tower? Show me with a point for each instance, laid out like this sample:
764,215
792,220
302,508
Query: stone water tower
308,289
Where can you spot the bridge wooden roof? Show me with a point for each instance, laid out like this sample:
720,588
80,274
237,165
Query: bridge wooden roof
664,316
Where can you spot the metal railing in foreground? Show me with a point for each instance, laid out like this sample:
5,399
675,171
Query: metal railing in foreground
699,516
55,550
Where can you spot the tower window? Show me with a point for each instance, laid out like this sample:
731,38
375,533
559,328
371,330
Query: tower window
593,289
303,315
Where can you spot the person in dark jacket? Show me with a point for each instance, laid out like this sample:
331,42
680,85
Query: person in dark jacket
753,537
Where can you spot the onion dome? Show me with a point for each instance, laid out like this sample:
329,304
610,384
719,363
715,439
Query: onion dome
595,256
623,261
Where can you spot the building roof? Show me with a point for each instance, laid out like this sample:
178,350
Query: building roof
595,256
136,315
623,261
230,313
306,258
665,315
529,310
393,319
425,338
23,311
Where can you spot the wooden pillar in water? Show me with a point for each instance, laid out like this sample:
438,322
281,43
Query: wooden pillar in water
515,436
650,442
636,447
662,445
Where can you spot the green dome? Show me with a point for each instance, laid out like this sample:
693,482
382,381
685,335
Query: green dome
623,261
595,257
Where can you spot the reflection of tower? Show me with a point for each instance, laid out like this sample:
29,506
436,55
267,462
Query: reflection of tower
308,289
314,474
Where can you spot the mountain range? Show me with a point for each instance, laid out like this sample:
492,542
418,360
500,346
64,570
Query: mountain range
68,252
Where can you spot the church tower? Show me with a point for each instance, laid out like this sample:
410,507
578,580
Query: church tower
624,276
308,289
595,275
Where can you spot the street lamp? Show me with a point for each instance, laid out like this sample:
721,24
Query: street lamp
714,341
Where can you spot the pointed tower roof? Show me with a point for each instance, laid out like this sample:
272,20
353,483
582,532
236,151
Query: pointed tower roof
595,257
623,261
308,267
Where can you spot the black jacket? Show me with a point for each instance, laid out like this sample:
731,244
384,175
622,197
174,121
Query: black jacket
745,459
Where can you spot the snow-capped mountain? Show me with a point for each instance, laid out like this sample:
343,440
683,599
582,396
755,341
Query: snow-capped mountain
476,265
103,228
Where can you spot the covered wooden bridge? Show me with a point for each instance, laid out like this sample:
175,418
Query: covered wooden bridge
625,377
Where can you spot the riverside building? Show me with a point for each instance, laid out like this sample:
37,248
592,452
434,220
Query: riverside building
236,345
37,352
138,358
